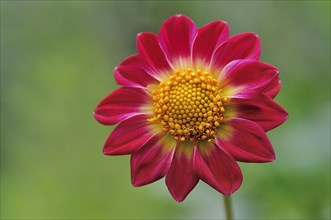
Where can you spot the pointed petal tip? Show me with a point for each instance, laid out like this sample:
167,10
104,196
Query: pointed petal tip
108,152
135,183
283,118
95,113
105,152
138,182
112,152
233,189
273,158
255,35
101,119
219,21
180,15
270,158
286,115
179,199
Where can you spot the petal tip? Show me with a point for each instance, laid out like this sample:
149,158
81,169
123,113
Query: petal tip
179,200
100,118
134,182
271,158
255,35
250,35
95,116
224,22
286,115
105,152
111,152
108,150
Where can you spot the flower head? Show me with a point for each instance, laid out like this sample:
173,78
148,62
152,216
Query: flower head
193,102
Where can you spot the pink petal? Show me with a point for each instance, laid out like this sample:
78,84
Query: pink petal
181,178
273,88
176,40
217,168
129,136
246,78
130,73
261,110
121,104
241,46
208,39
152,161
152,55
245,141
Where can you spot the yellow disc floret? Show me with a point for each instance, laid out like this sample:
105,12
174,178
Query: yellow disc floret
189,104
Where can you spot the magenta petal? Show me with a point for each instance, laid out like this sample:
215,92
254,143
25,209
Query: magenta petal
217,168
245,141
130,73
181,178
247,78
152,55
121,104
273,88
208,39
151,162
241,46
176,39
261,110
129,136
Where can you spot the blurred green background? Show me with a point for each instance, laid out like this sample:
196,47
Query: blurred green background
57,59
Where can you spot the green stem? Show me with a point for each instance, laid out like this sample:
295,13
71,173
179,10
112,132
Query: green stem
228,207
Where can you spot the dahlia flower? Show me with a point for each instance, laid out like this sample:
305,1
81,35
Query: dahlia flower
193,102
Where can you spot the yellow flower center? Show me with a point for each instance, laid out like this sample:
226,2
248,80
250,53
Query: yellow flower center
189,104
